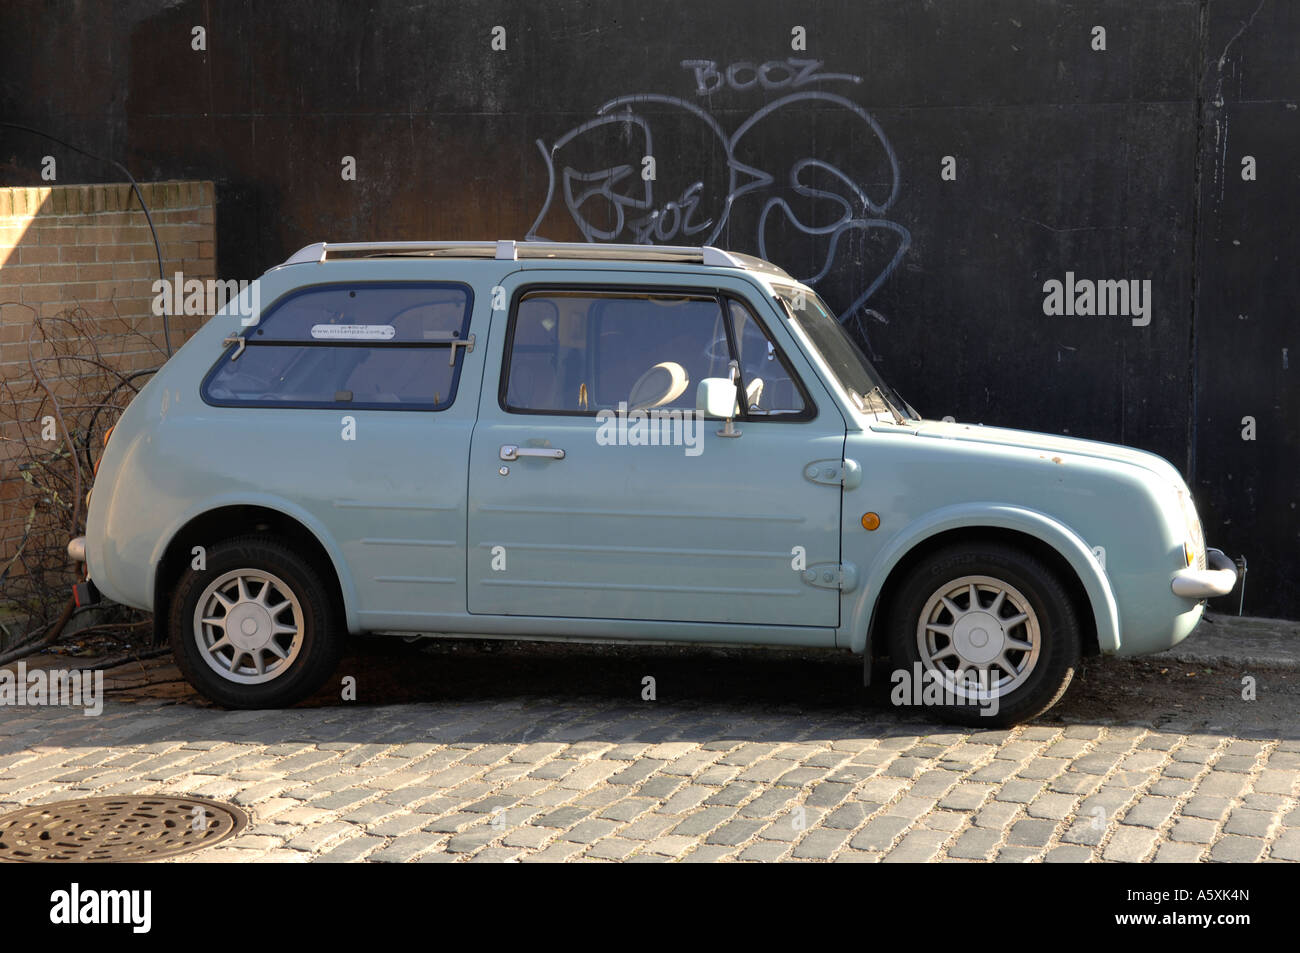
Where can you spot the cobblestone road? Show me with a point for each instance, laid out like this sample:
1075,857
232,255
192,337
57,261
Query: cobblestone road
510,757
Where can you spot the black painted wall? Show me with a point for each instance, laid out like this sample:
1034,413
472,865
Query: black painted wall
1119,164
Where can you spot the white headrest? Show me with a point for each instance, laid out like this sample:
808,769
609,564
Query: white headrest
660,385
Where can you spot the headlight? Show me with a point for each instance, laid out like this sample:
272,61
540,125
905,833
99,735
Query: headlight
1194,547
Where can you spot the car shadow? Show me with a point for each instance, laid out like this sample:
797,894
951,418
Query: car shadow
480,692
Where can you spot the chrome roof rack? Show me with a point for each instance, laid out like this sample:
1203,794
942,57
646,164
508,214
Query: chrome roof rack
507,250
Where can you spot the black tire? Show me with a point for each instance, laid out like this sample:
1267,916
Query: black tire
319,644
1022,577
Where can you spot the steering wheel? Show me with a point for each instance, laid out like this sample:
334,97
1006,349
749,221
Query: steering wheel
718,351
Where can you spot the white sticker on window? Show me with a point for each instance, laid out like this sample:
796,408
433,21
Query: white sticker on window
352,332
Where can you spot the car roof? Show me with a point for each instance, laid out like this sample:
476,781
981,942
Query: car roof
508,250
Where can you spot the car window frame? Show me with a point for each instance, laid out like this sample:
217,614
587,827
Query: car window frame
458,342
720,295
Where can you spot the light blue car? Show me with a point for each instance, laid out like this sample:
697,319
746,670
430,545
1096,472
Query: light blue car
629,443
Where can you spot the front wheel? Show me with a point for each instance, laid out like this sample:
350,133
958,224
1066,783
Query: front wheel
255,627
985,635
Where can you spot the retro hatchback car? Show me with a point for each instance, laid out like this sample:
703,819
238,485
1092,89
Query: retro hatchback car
629,443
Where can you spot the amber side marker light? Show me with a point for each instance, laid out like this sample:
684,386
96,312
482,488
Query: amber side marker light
870,521
107,433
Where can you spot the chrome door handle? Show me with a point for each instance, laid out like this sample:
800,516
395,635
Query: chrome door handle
512,452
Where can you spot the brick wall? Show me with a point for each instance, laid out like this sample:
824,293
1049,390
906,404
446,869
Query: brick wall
87,247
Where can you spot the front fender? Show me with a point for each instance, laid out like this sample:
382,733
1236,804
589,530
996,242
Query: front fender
966,516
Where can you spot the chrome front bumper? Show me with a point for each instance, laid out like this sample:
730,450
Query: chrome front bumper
1217,580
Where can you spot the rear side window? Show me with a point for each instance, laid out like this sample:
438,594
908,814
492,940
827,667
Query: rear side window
365,346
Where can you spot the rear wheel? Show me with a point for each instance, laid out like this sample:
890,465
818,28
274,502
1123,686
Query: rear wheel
255,628
985,635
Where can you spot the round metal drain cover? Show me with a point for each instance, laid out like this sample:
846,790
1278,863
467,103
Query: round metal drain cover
117,829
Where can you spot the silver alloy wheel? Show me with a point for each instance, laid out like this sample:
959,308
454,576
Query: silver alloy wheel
980,636
248,625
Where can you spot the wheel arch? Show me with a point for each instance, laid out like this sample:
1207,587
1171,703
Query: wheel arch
1052,542
232,519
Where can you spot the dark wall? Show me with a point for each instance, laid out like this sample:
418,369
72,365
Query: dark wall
1115,164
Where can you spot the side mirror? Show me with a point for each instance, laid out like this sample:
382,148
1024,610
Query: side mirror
716,397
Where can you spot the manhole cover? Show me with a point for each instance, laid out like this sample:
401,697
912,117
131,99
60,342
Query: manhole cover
116,829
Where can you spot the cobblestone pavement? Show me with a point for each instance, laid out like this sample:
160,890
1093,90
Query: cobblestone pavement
752,760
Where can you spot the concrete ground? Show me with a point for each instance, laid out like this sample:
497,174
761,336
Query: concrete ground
486,752
1241,641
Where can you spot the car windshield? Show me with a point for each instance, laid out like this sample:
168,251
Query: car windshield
855,374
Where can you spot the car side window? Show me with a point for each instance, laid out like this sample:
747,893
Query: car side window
365,346
581,352
770,386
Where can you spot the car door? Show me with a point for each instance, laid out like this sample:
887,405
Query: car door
597,492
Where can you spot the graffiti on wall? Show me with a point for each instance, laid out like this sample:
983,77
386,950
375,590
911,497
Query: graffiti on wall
806,179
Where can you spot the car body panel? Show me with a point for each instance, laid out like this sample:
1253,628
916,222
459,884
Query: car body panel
979,513
1115,521
651,532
